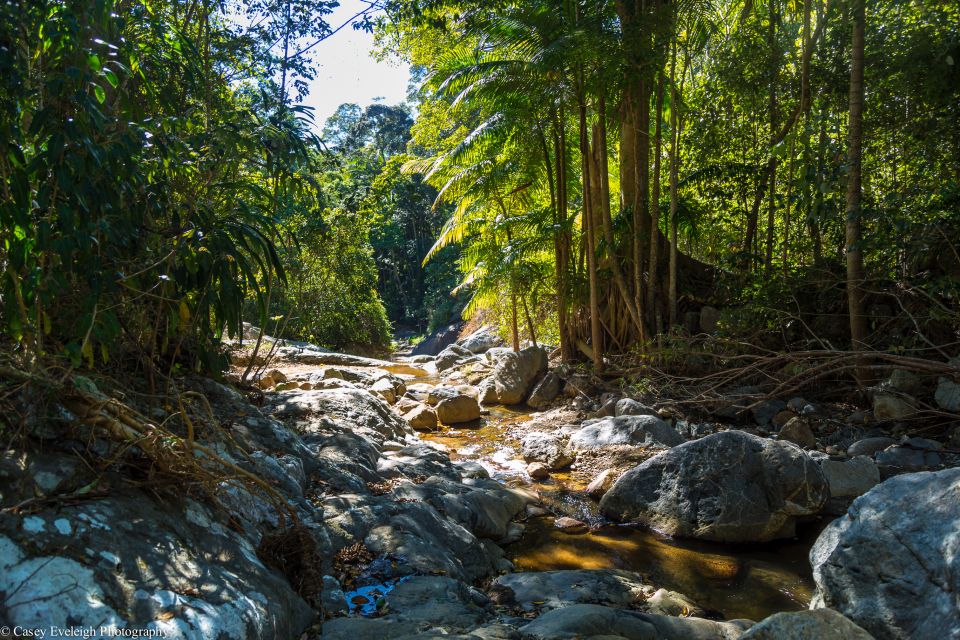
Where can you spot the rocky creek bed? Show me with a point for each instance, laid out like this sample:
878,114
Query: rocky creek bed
480,494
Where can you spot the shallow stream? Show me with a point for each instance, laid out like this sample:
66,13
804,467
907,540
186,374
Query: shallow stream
731,581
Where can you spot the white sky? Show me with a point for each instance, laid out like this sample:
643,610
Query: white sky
347,73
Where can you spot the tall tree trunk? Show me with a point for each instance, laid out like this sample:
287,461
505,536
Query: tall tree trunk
590,245
674,173
772,190
653,287
562,238
855,269
514,328
601,188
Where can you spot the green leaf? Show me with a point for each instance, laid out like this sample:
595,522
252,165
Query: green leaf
100,93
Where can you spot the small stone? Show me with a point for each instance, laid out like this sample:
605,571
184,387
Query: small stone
798,431
266,382
538,471
277,375
422,418
783,418
533,511
947,395
890,407
570,525
601,484
458,409
869,446
797,404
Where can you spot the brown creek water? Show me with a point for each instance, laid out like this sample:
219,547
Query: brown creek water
735,581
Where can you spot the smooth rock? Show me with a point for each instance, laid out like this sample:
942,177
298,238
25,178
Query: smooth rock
422,418
634,430
815,624
538,471
891,564
869,446
596,621
901,459
631,407
481,340
764,412
947,395
890,407
798,431
570,525
848,479
458,409
514,375
709,319
547,448
545,391
729,486
545,590
601,484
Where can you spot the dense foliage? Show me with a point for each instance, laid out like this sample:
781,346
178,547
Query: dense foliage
160,186
622,163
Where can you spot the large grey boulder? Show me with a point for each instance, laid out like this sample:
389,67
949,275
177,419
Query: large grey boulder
595,621
816,624
892,563
631,407
633,430
481,340
415,608
730,486
514,376
546,448
458,409
545,391
543,590
125,562
848,479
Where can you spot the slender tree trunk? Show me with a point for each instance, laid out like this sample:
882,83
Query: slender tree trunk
786,213
601,188
855,269
674,173
772,190
530,327
653,287
514,328
590,244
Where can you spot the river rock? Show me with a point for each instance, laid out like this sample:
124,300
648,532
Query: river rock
545,590
672,603
481,340
631,407
798,431
890,407
891,563
570,525
449,357
709,319
947,395
545,391
848,479
422,418
869,446
458,409
601,484
905,459
816,624
94,565
764,412
547,448
513,376
596,621
729,486
538,471
633,430
417,607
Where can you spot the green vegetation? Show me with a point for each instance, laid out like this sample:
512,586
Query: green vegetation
595,170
